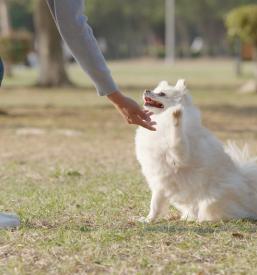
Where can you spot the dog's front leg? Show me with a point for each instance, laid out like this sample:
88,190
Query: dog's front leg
178,155
159,206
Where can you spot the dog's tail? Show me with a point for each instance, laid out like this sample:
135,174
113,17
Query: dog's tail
241,156
246,164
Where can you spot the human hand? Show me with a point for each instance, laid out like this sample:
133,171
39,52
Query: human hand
131,111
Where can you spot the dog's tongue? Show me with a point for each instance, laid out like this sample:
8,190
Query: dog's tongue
152,103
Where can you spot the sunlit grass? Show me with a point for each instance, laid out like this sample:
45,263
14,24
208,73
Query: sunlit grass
78,188
146,73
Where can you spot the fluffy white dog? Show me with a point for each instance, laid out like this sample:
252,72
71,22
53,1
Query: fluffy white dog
187,166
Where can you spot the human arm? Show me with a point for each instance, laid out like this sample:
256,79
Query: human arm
78,35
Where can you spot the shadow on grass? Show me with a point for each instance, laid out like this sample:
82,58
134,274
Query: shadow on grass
66,223
243,225
235,227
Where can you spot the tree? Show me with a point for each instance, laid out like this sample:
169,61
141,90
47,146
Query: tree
14,45
5,28
127,26
170,42
21,14
49,45
242,23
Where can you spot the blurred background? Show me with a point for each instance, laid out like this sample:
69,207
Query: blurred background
139,31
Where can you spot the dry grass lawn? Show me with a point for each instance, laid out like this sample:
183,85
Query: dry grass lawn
68,169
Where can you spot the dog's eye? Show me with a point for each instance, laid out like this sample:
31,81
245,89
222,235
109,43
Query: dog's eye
162,94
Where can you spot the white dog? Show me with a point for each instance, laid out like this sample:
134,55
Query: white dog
187,166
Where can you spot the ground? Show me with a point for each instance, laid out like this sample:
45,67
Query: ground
68,169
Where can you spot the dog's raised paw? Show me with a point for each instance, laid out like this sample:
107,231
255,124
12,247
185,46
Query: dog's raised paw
177,114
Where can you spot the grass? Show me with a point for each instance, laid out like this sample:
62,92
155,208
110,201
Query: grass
68,169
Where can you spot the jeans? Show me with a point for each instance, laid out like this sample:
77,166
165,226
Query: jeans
1,71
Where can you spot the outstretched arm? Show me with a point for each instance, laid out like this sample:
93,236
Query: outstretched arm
72,24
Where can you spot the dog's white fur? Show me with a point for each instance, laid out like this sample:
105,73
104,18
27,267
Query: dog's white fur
187,166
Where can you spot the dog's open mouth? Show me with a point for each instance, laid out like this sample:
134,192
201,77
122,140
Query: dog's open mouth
153,103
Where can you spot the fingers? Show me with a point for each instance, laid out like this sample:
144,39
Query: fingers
146,124
145,115
149,113
137,120
143,118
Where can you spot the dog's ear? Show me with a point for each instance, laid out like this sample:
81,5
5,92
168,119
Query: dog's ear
163,84
181,86
181,90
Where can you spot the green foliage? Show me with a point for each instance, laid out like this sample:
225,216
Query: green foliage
21,18
156,51
15,47
130,28
126,25
242,22
205,18
21,14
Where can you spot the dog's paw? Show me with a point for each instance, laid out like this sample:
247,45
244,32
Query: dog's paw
177,114
145,219
186,217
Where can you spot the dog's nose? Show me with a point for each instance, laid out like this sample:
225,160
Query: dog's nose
147,92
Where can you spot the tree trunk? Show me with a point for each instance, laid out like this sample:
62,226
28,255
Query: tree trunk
5,26
251,86
238,65
255,65
5,30
49,44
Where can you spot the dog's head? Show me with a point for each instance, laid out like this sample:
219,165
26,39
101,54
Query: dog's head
165,96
